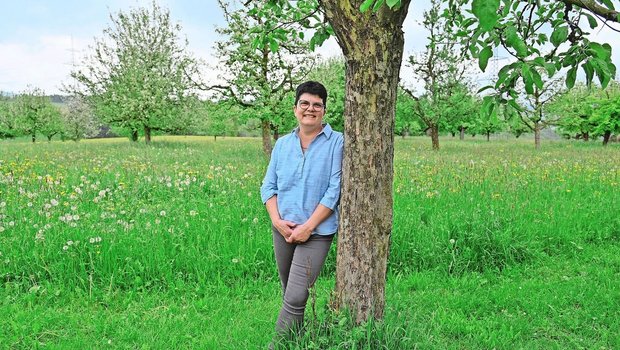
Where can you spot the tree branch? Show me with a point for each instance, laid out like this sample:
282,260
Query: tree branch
594,7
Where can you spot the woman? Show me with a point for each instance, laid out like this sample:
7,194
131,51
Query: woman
301,191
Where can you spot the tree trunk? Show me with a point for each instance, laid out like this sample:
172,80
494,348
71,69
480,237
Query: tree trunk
435,136
266,129
606,137
49,138
372,44
134,135
462,133
586,136
147,135
276,133
34,137
488,136
214,137
537,135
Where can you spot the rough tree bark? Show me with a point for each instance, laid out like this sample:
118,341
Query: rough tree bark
266,132
147,135
134,135
606,137
372,44
435,136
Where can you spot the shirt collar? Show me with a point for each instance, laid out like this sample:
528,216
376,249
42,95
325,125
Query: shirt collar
327,130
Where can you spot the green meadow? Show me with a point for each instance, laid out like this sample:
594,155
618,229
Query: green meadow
109,244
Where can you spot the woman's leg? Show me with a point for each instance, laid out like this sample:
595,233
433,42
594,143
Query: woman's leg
284,256
307,260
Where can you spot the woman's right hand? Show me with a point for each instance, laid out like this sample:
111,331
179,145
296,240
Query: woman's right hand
284,227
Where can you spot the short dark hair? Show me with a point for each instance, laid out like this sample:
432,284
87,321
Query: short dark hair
313,88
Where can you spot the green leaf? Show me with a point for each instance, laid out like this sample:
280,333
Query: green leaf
378,5
486,12
609,4
604,70
539,61
527,78
515,105
488,105
589,70
485,88
392,3
514,40
366,5
570,77
559,35
537,79
601,51
483,60
591,20
274,46
550,67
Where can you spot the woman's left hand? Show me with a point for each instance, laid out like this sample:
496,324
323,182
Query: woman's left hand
300,234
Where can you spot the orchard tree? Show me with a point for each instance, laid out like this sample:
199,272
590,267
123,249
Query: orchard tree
222,117
52,123
441,69
372,44
79,120
488,123
606,116
8,124
574,109
405,120
139,75
536,115
260,73
30,108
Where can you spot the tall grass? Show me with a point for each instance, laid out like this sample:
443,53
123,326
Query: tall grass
109,221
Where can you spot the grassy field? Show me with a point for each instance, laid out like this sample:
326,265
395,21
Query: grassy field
107,244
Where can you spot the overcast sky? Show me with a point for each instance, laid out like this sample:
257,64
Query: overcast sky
40,39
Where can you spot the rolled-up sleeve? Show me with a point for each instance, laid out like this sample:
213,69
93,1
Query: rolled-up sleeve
332,195
269,188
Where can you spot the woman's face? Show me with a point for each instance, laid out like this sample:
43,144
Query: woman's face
309,110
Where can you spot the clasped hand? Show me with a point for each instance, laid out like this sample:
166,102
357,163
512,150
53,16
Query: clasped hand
292,232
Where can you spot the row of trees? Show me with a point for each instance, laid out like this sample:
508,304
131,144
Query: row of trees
582,112
32,113
140,78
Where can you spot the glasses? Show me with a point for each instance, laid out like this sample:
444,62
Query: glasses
315,106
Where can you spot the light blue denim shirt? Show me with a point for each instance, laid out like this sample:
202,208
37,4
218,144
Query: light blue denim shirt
303,181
